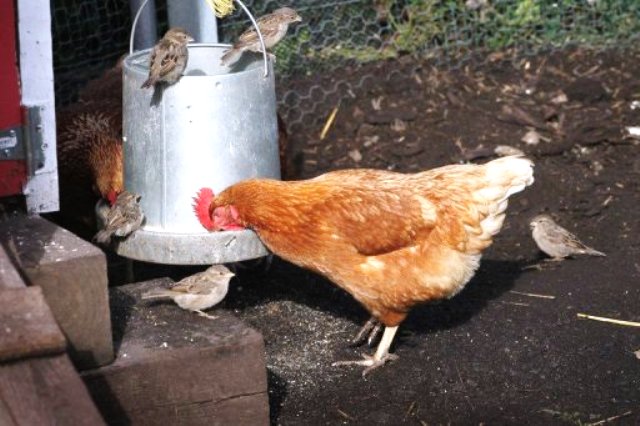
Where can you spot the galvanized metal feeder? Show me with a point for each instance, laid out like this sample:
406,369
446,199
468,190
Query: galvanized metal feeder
214,127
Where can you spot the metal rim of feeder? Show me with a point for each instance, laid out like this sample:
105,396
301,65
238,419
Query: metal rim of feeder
242,6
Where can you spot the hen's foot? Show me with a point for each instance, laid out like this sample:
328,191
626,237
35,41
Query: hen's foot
205,315
371,362
369,333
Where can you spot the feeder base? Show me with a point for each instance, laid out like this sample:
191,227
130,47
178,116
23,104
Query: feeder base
191,249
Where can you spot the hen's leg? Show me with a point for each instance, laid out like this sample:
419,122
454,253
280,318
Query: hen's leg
369,332
381,356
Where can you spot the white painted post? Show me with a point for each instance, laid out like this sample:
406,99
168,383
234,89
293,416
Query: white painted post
36,77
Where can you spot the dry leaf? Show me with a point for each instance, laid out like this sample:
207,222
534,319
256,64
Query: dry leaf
633,132
355,155
560,98
531,138
376,103
398,125
505,150
370,140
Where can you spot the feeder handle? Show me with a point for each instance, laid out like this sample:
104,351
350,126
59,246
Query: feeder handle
255,24
251,18
133,26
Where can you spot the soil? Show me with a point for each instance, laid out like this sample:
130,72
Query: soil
510,348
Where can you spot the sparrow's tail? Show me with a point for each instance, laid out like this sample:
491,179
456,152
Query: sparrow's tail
150,82
103,237
230,56
157,293
592,252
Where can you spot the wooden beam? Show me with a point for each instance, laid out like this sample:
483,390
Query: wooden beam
73,276
35,388
28,327
44,391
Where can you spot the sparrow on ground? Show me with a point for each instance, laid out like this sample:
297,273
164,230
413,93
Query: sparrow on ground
556,241
273,27
123,218
197,292
168,58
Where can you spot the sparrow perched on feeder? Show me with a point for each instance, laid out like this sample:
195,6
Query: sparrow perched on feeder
556,241
273,27
168,58
197,292
123,218
391,240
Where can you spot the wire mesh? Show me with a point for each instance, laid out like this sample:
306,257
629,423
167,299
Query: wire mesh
89,36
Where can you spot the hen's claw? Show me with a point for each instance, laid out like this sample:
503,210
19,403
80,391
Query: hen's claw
371,362
369,332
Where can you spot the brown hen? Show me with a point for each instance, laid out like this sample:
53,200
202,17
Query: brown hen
391,240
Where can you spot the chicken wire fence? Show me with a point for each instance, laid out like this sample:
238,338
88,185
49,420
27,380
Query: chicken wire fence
89,36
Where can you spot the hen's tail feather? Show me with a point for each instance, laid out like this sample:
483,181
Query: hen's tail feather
503,178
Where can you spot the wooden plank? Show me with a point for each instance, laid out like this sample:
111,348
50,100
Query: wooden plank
28,327
174,367
72,273
45,391
35,390
9,276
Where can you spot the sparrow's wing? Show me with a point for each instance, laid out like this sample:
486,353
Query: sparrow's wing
195,284
115,218
268,27
168,60
152,58
560,236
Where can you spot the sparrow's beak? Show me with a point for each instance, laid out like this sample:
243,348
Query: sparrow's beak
190,39
298,19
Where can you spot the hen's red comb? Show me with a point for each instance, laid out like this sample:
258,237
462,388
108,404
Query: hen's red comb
201,203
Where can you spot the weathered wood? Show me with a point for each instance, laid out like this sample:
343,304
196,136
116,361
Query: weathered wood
35,390
175,367
9,276
73,277
44,391
28,327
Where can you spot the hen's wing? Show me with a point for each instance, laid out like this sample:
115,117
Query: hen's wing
401,216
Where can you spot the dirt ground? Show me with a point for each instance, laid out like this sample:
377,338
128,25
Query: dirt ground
510,348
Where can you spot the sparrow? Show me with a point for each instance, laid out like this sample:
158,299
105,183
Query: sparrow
197,292
273,27
123,218
168,58
556,241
